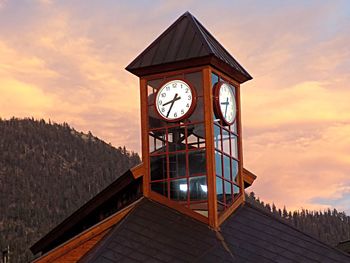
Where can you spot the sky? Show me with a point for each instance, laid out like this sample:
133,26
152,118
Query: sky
64,61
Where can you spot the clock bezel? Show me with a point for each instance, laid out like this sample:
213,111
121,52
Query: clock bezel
217,108
190,110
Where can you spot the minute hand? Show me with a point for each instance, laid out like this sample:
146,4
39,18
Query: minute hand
172,104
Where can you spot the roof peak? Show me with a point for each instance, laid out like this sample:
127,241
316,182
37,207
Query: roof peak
185,40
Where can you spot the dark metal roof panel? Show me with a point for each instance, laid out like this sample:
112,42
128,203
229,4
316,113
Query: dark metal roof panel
155,233
185,39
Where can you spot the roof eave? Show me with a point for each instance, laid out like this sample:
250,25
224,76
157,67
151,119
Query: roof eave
194,62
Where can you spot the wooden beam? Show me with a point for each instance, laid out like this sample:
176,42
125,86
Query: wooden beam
209,144
144,135
248,177
138,171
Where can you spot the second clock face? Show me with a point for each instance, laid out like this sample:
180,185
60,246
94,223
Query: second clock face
175,100
226,102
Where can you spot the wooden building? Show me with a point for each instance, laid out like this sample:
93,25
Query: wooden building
185,202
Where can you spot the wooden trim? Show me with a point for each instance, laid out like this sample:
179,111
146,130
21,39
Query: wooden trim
237,203
173,72
144,135
88,234
174,205
138,171
248,177
209,143
240,146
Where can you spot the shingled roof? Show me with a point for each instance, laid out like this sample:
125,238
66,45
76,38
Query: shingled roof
186,43
155,233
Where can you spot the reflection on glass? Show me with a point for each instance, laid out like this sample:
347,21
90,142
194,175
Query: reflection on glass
234,126
160,188
234,149
154,121
155,83
218,163
177,165
157,141
225,141
198,188
158,167
214,79
195,78
176,139
197,163
219,189
228,192
178,189
198,113
227,167
234,164
217,137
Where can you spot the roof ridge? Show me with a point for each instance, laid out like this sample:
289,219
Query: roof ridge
281,220
196,25
154,42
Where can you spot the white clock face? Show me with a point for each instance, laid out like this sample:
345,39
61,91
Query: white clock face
227,103
174,100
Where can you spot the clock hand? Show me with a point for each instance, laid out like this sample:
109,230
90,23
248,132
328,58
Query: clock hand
172,104
175,99
225,103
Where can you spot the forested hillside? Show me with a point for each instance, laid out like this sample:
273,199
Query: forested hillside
47,171
329,226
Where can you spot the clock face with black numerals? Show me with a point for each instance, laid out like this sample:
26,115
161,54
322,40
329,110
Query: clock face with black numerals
225,102
175,100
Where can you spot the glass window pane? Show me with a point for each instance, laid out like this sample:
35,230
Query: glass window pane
218,163
176,139
155,83
225,141
227,167
158,168
233,127
198,188
196,79
197,163
234,146
154,120
235,190
157,141
195,136
177,165
178,189
228,192
217,137
198,114
234,164
160,188
214,79
219,189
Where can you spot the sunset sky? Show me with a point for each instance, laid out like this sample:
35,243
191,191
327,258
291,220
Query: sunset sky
65,60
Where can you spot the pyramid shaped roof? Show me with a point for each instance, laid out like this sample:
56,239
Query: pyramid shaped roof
186,43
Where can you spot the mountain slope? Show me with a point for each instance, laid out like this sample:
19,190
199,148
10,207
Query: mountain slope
47,171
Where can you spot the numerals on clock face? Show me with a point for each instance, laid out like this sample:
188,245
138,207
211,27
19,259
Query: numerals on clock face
227,103
174,100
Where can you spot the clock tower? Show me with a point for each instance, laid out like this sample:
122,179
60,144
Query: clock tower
192,156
